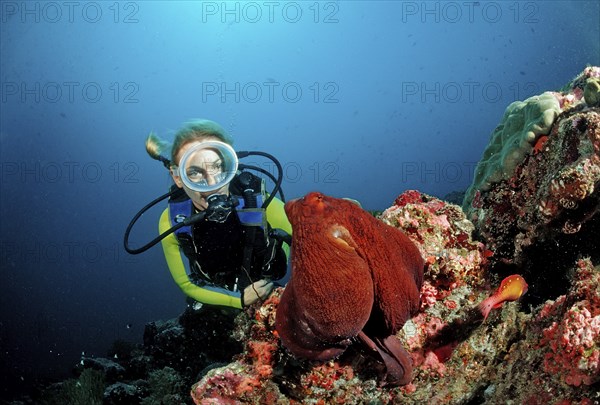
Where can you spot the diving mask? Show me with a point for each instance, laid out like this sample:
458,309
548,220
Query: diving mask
208,166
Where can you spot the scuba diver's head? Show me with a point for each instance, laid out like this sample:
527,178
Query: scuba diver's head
201,185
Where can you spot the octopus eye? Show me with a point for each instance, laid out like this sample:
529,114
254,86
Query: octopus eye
314,197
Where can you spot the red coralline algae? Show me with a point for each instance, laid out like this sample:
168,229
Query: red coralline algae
573,350
574,340
224,388
539,145
432,362
429,294
408,197
443,234
248,379
260,354
325,376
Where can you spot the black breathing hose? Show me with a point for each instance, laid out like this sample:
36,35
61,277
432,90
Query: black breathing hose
188,221
279,180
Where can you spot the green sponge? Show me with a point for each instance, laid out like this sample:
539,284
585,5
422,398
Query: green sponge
523,123
591,91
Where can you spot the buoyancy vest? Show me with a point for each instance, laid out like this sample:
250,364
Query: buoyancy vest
243,221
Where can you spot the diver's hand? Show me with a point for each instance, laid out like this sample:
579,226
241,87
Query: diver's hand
258,290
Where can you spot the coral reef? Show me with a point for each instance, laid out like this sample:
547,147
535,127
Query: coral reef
558,354
443,235
574,338
523,124
165,386
547,205
446,334
526,125
457,356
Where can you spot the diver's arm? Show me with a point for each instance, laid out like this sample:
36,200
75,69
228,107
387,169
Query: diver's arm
276,216
277,219
176,261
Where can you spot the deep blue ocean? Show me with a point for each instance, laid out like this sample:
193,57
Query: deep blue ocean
360,99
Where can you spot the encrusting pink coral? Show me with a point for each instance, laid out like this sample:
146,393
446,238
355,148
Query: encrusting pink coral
443,235
573,341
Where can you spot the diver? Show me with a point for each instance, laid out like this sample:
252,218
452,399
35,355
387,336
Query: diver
226,241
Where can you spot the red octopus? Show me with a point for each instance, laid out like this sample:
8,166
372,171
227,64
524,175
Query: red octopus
352,276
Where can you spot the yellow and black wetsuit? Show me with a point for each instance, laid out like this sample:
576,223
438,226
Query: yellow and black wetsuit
205,292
